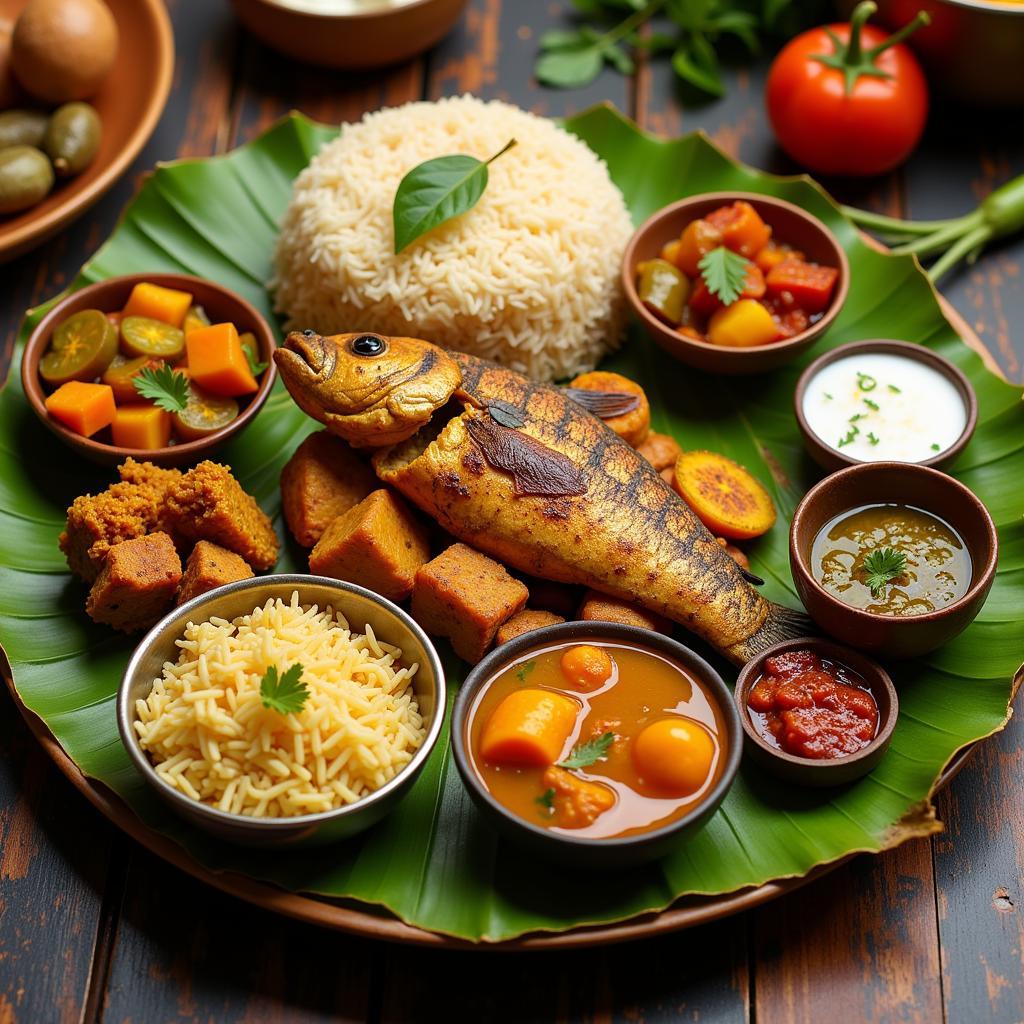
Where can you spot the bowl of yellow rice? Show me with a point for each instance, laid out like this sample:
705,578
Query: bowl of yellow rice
283,709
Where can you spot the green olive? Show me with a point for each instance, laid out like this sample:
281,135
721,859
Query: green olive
663,288
72,138
22,128
26,177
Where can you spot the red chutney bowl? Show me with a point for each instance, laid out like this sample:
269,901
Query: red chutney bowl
790,224
810,771
221,305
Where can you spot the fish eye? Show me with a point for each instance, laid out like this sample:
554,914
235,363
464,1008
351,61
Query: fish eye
368,345
309,332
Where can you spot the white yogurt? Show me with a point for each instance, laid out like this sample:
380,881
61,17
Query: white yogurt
876,407
340,7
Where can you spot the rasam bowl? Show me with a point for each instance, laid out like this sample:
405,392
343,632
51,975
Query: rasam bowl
360,607
573,850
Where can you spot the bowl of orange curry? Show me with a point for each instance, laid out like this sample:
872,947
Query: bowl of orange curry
596,743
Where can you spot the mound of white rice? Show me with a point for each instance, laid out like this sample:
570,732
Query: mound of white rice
528,277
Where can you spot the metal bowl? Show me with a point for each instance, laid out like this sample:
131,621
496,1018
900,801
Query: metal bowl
972,48
359,606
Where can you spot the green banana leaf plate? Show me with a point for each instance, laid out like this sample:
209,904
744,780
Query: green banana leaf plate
433,871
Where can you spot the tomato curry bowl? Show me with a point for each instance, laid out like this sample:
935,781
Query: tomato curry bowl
596,743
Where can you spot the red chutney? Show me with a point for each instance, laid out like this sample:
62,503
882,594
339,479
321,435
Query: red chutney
811,707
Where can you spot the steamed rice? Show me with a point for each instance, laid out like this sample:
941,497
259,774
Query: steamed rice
529,277
208,734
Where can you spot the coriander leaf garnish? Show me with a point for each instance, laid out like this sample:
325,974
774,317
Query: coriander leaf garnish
286,694
870,404
255,366
525,670
827,395
436,191
585,754
546,800
724,273
882,566
850,435
167,390
856,416
866,382
895,390
872,438
936,447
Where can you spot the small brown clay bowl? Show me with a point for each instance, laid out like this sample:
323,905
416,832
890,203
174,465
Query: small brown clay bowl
809,771
109,295
830,458
129,102
789,224
900,483
369,39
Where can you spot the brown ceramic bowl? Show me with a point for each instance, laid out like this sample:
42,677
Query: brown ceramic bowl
789,224
111,294
129,103
903,483
808,771
830,458
370,39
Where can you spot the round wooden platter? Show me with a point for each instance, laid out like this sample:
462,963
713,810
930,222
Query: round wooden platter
358,919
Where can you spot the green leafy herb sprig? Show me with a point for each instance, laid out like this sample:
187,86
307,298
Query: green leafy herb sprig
583,755
286,693
882,566
692,31
546,802
725,273
163,387
256,366
436,191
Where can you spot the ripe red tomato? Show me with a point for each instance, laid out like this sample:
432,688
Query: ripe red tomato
838,115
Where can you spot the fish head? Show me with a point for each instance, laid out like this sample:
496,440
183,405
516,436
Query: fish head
369,389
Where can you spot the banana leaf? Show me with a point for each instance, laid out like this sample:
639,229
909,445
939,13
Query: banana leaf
434,863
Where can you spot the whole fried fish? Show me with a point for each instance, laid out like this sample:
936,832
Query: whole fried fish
523,472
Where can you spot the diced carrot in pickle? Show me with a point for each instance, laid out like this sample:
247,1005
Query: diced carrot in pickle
809,284
529,727
217,362
577,802
81,407
744,324
141,426
168,305
699,237
742,229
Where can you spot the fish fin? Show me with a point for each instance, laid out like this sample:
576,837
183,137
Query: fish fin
781,623
605,405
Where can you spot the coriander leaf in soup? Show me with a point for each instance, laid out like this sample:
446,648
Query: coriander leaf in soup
585,754
882,566
525,670
285,694
436,191
546,801
724,273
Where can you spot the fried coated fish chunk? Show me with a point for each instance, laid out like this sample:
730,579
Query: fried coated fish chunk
210,566
465,596
378,544
125,510
598,607
322,480
208,503
136,584
525,621
660,450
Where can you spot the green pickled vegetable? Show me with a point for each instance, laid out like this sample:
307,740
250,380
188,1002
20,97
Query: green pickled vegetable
663,288
143,336
82,348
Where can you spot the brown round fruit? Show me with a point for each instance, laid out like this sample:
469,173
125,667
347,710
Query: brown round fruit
8,86
61,50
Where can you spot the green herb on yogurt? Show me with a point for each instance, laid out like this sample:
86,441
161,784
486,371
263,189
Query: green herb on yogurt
936,447
856,416
828,396
866,382
871,405
850,435
895,390
872,439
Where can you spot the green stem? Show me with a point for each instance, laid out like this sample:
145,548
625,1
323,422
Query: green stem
1004,208
955,253
894,225
940,239
634,21
921,19
504,149
860,15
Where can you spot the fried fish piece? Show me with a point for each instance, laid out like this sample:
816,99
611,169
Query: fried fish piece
210,566
136,584
208,503
525,621
125,510
598,607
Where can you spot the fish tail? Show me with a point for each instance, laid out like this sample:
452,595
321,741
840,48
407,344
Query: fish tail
781,623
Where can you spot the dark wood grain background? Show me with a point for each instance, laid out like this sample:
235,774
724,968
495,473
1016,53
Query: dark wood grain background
94,928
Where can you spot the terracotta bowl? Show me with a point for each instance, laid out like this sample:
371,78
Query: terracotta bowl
111,294
789,224
830,458
904,483
808,771
129,103
571,850
348,41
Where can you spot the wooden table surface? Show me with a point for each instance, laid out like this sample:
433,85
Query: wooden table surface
94,928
